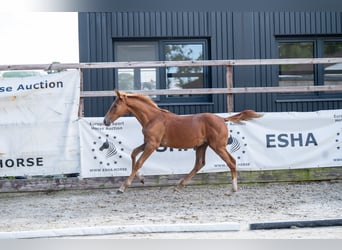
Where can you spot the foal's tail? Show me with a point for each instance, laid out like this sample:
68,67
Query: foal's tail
243,116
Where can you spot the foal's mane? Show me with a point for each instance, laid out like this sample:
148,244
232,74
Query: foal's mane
145,99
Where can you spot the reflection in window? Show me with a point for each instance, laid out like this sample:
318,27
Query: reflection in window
184,77
136,78
149,78
126,79
296,74
333,72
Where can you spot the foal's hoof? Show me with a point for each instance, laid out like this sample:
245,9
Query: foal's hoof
142,181
177,189
119,191
230,193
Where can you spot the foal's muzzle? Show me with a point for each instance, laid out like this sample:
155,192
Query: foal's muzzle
107,121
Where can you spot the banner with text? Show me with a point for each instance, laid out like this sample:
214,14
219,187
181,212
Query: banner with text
275,141
38,124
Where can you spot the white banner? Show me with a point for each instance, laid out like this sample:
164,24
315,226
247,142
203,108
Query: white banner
38,124
275,141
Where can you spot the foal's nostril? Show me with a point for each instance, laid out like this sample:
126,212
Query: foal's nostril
106,122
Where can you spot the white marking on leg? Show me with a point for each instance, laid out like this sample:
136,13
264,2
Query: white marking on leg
235,187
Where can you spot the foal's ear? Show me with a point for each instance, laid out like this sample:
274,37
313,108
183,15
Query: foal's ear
121,95
117,92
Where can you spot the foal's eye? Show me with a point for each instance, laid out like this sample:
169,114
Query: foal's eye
115,106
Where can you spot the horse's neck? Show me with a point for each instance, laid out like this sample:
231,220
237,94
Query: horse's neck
143,112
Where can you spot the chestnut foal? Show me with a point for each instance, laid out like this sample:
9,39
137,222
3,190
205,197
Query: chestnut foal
163,128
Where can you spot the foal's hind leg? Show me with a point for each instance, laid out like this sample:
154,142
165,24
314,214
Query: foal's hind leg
230,161
200,162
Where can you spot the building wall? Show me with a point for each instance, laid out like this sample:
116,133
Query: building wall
231,35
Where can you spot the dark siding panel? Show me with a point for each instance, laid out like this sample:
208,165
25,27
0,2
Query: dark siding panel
231,35
244,48
269,25
99,48
99,30
222,47
159,24
307,23
308,106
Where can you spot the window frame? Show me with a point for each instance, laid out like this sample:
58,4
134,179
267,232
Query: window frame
136,71
318,52
313,55
161,75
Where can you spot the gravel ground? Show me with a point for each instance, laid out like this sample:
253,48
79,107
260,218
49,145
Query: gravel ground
195,204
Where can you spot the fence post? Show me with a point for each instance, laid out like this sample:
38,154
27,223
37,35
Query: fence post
81,107
229,80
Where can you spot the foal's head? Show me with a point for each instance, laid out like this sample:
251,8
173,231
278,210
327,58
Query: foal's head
117,109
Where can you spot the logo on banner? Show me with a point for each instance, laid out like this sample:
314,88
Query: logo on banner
236,144
109,147
107,151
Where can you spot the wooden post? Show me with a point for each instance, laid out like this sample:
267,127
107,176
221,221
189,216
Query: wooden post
81,107
229,80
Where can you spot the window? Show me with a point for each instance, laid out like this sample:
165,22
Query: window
304,75
163,78
296,74
333,72
136,78
184,77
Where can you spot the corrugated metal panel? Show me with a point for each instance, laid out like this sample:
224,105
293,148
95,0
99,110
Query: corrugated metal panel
222,47
104,28
231,35
308,105
98,43
261,43
307,23
255,40
159,24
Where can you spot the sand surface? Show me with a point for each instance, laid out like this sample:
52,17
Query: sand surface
195,204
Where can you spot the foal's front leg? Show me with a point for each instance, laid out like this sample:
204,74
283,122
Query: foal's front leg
148,150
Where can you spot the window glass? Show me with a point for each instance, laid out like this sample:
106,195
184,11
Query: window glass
136,78
148,78
333,72
136,51
184,77
296,75
162,77
125,79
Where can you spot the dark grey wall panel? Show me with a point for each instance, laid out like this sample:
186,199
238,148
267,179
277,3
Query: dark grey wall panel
308,105
307,23
231,35
159,24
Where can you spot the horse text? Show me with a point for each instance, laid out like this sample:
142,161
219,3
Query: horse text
22,162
